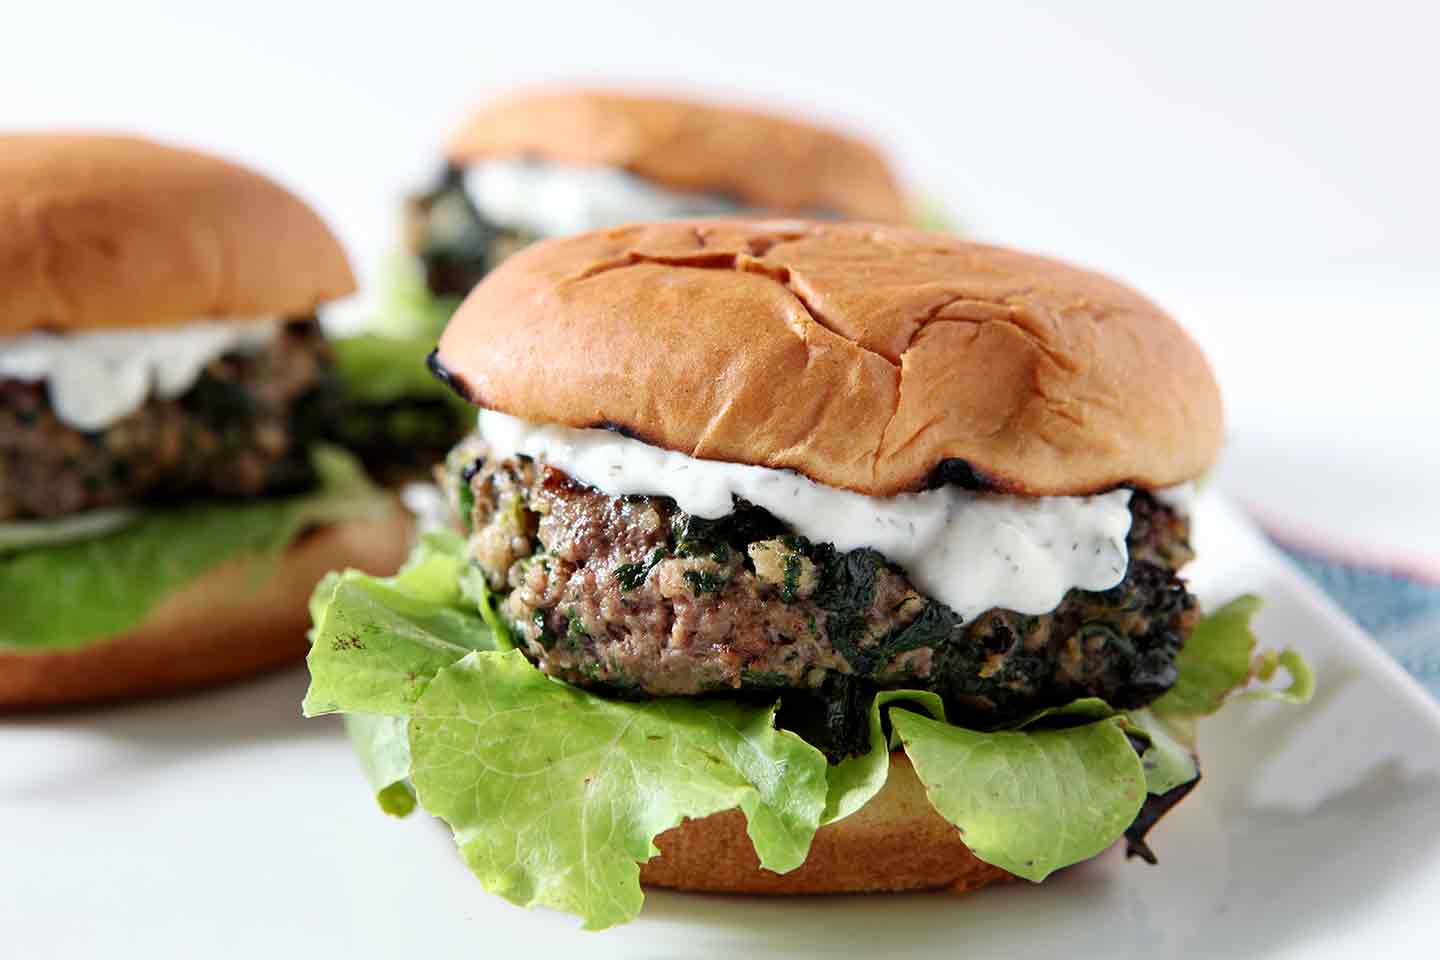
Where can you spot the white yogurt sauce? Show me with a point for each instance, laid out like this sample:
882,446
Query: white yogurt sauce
427,504
95,378
972,551
554,199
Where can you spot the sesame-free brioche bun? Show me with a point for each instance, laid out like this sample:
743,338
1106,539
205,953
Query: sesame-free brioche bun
765,161
107,231
878,359
895,842
224,626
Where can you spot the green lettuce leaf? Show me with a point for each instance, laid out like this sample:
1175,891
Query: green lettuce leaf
489,727
1216,664
420,624
380,369
1067,714
67,595
409,627
1169,758
1302,678
405,647
395,414
407,308
930,213
383,745
855,780
1214,661
379,641
477,590
1030,801
555,796
1220,660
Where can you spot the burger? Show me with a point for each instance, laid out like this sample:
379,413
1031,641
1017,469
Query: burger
797,557
551,163
166,501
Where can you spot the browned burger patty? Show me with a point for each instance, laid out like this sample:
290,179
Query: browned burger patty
244,428
456,244
633,595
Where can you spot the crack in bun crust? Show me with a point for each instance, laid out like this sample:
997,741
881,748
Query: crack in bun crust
764,161
862,356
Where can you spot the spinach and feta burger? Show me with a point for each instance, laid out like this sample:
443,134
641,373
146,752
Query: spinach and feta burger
550,163
165,506
796,557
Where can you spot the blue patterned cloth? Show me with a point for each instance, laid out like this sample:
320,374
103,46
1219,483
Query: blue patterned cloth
1401,612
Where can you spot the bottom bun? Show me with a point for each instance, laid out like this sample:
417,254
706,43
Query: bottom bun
895,842
224,626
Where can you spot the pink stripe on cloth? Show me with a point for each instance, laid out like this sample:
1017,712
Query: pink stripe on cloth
1398,563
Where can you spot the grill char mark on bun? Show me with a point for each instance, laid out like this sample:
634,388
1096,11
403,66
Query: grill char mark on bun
954,471
454,381
621,430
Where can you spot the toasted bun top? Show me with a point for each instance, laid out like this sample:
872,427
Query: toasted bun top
865,357
767,162
100,231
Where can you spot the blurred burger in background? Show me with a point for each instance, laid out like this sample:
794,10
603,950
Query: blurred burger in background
548,164
166,500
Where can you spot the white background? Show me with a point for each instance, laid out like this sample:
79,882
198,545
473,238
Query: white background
1266,170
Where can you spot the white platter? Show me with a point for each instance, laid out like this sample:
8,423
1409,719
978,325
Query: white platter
224,825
